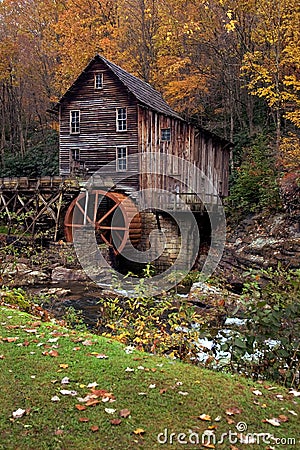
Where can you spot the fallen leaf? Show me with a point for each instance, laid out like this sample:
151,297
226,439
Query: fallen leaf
115,421
18,413
257,392
163,390
109,410
124,413
65,380
283,418
206,445
80,407
92,385
152,386
87,342
2,356
295,393
274,421
229,421
10,339
58,432
183,393
205,417
64,366
232,411
67,392
94,428
92,402
129,369
292,412
55,398
84,419
139,431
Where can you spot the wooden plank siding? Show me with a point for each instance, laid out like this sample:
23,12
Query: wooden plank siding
98,138
187,142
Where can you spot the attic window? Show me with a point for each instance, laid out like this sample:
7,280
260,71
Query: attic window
99,80
121,119
74,122
166,134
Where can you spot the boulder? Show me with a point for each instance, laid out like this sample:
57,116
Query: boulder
64,274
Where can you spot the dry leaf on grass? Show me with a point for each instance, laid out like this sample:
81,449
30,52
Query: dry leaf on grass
124,413
115,421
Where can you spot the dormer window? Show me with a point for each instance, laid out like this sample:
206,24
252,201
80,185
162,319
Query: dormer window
166,134
74,122
98,80
121,119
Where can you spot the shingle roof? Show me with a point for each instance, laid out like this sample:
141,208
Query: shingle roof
142,91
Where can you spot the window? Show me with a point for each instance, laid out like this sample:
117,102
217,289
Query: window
75,154
121,163
75,122
121,119
166,134
98,80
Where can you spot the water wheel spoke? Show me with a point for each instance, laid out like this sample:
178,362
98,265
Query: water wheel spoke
105,240
115,219
108,213
119,236
112,228
83,212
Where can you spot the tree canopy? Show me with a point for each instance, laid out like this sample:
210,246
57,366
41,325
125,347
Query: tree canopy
231,65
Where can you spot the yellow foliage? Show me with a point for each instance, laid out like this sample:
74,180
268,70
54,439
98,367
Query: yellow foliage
290,152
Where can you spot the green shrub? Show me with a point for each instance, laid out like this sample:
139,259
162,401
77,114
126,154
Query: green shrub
254,180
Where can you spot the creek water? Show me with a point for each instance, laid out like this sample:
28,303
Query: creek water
84,298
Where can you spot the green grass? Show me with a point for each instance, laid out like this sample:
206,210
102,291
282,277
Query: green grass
30,379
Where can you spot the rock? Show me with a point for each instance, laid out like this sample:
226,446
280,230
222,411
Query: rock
20,274
207,296
59,292
64,274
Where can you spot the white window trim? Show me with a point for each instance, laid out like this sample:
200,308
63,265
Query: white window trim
72,111
119,159
117,120
95,81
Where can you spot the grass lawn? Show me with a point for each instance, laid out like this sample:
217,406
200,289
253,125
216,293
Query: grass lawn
62,389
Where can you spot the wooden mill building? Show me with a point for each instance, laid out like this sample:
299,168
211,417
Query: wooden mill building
116,124
106,116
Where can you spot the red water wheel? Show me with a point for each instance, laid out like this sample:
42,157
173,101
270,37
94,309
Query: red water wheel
113,215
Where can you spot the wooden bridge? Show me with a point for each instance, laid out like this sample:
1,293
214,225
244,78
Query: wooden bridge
37,203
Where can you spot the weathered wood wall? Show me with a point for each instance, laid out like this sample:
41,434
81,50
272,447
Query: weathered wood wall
200,148
98,137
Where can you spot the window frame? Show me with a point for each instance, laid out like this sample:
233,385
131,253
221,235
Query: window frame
121,158
121,120
74,125
75,154
96,75
165,134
